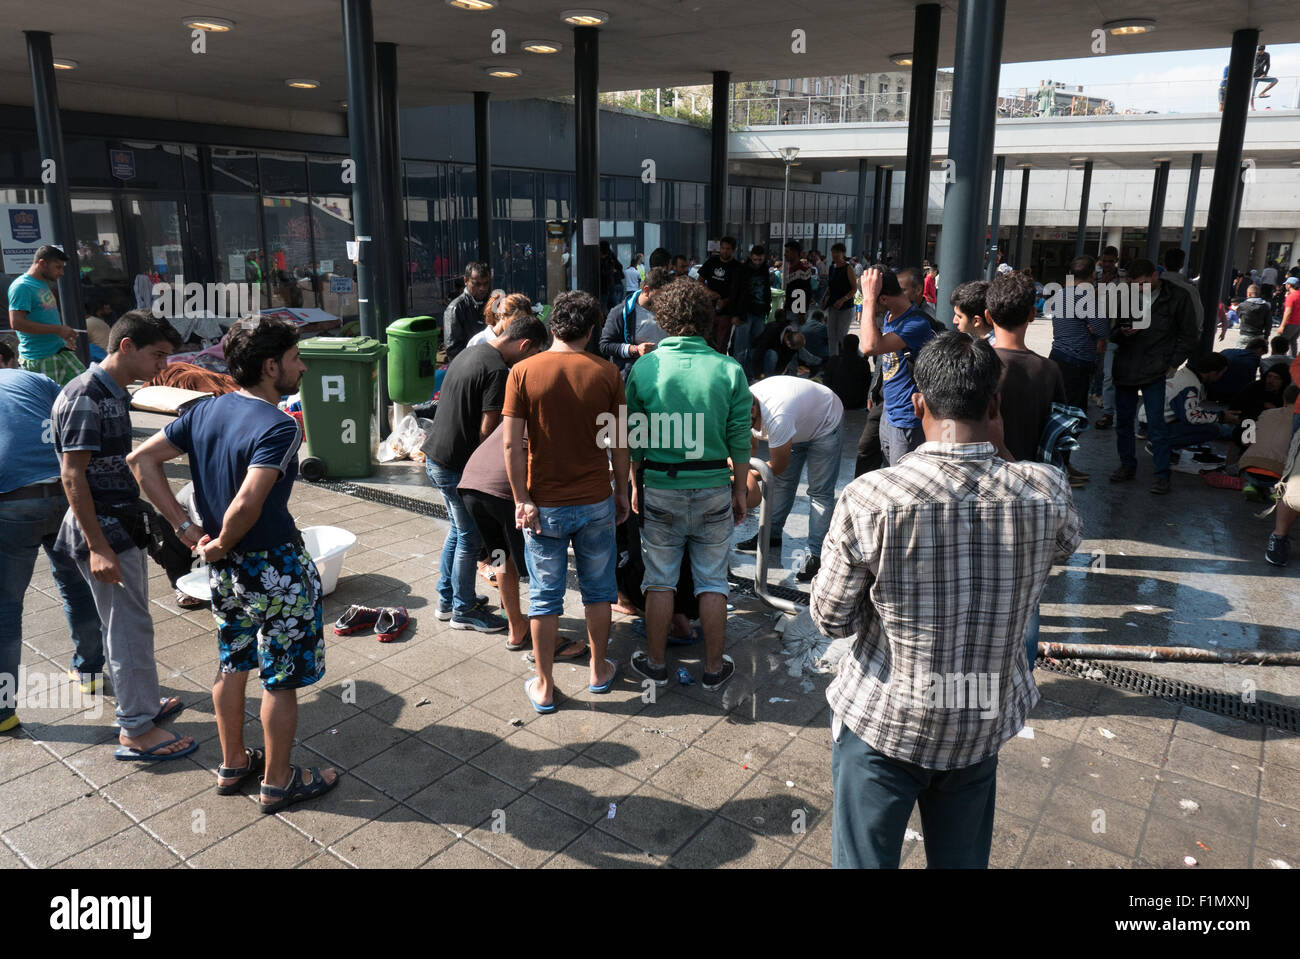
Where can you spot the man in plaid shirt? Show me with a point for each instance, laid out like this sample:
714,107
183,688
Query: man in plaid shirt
936,565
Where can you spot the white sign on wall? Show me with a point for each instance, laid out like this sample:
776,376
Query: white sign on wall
24,228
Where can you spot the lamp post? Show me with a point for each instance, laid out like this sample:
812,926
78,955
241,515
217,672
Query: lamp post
1105,206
787,154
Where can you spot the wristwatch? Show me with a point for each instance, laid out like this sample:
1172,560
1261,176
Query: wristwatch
180,530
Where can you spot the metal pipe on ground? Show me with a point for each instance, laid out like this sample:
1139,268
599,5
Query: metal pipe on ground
1167,654
764,535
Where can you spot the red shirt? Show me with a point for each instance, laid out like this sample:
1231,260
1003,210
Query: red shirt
1292,303
930,292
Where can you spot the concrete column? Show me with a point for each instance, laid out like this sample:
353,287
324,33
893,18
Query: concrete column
1216,247
718,156
977,60
49,138
860,247
1157,215
1019,261
996,214
483,174
586,54
920,130
1189,212
363,145
1082,229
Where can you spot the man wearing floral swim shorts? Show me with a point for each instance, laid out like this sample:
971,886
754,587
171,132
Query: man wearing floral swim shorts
266,593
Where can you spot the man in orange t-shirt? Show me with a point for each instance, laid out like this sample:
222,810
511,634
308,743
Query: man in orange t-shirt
565,398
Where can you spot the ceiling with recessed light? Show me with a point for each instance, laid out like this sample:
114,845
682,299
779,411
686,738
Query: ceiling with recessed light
132,53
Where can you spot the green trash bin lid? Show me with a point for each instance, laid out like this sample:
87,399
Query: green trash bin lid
358,349
421,326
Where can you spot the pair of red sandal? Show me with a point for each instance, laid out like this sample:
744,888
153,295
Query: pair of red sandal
388,622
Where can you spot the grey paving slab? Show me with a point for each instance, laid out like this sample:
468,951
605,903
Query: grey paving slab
67,830
396,839
267,844
723,844
131,848
596,849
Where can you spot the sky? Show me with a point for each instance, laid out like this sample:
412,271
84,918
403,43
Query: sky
1182,81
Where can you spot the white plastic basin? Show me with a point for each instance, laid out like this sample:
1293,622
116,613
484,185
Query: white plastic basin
327,545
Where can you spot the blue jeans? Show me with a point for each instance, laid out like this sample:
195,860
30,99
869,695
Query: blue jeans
1190,434
746,333
823,458
27,526
674,517
595,552
897,441
1126,399
874,796
1107,379
460,548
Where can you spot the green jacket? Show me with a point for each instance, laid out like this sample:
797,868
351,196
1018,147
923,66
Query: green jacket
686,402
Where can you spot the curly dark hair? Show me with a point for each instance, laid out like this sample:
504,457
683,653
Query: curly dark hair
684,308
254,340
573,315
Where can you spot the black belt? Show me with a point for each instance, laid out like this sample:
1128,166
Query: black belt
34,491
672,468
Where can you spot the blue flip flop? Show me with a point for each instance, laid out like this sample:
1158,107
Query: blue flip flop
607,686
151,755
697,634
528,691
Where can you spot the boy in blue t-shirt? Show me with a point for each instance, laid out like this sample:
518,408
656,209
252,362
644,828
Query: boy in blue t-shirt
44,343
266,592
904,331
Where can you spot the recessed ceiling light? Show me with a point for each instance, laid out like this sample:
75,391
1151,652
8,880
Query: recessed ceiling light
1024,166
902,59
542,46
1078,159
209,24
585,18
503,73
65,64
472,4
343,104
1161,159
1077,166
302,83
1129,27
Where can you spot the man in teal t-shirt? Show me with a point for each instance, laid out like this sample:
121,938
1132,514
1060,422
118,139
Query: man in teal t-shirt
688,413
44,343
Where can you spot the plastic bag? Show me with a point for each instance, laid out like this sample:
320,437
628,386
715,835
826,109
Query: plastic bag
406,439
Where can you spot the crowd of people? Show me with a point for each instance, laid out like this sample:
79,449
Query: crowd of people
621,432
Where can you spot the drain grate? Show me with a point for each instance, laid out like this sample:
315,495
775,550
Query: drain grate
1264,713
1233,705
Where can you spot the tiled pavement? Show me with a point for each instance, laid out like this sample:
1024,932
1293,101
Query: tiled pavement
446,765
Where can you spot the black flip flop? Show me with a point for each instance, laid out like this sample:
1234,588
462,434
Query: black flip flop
571,658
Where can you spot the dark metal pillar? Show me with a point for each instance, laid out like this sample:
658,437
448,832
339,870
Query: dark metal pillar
390,178
1232,237
1158,190
718,155
860,248
1217,244
970,144
1189,211
1020,224
483,175
363,146
920,130
586,198
1083,208
884,212
877,201
49,138
996,213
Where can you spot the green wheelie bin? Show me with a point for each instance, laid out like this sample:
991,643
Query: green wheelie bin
339,405
413,358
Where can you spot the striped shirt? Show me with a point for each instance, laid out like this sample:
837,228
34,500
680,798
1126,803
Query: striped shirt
1075,331
934,566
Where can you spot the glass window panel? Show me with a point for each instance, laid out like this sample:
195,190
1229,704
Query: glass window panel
99,250
500,192
523,195
233,170
287,228
331,229
283,173
326,175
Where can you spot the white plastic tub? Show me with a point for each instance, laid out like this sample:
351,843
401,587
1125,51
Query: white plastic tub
326,544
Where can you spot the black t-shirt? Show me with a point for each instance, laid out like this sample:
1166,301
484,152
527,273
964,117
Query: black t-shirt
1262,63
475,384
841,283
1030,385
722,278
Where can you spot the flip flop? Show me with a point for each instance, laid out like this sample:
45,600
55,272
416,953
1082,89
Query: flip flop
255,767
164,713
392,620
696,635
531,657
528,691
296,791
151,755
356,619
608,684
527,644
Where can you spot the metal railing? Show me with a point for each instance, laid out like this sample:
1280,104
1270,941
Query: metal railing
761,557
1059,100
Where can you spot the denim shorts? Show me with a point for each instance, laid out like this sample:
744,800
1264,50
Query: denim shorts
670,519
595,551
267,604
